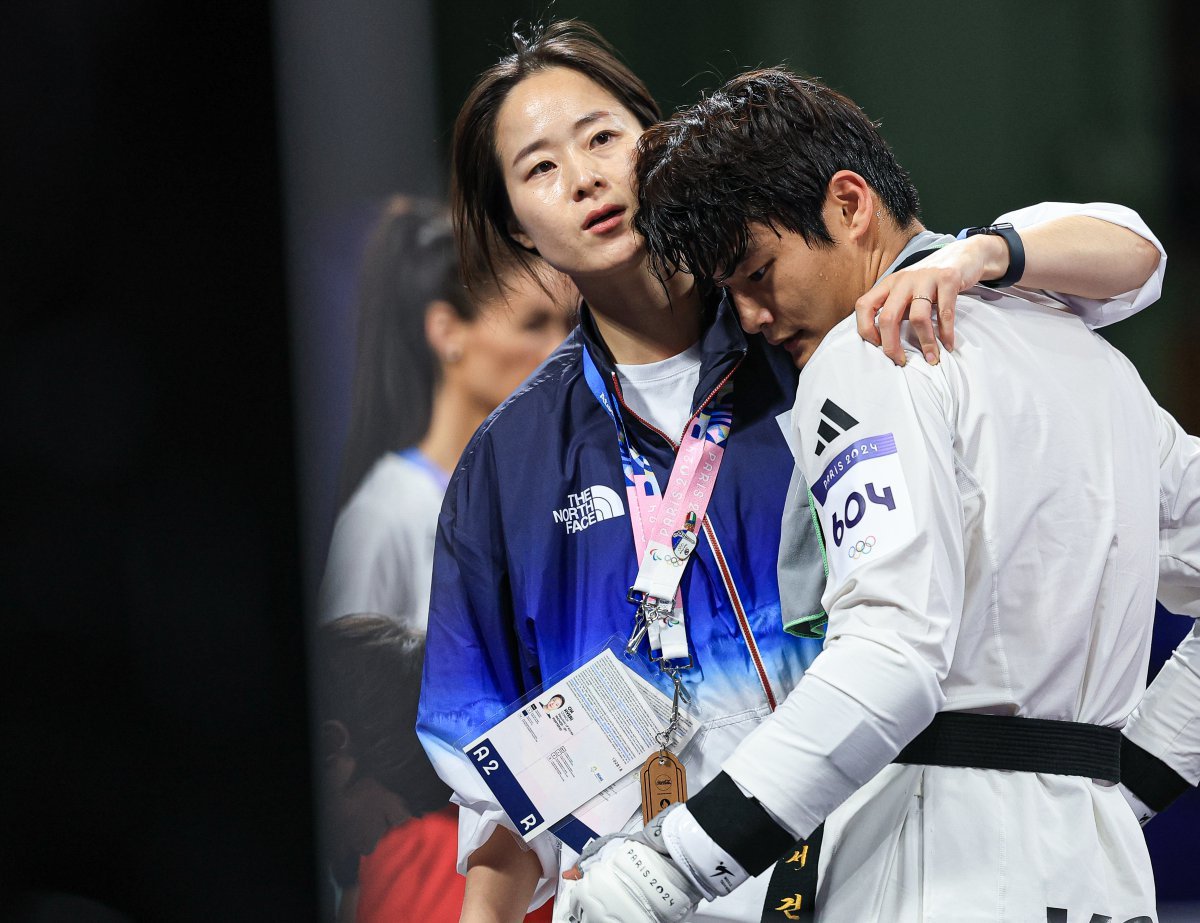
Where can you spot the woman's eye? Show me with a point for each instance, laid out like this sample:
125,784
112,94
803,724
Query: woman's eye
602,137
544,167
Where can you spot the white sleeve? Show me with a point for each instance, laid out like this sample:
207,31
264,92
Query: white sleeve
1099,312
1166,722
1179,518
368,570
479,816
876,448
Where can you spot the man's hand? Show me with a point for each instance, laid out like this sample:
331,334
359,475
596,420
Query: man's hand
1142,811
915,292
630,879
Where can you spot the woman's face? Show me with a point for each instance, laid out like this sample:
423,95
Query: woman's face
511,336
566,149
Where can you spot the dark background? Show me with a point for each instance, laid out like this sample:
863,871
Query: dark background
153,722
167,466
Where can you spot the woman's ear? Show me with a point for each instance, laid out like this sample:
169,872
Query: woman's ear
444,331
523,240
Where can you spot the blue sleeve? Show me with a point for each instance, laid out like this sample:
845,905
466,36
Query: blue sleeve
475,663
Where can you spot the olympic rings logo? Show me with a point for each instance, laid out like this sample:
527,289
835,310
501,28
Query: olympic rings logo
860,549
657,555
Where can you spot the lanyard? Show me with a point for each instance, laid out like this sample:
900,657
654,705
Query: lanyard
665,525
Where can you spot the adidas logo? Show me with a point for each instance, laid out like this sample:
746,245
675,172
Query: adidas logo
834,422
588,507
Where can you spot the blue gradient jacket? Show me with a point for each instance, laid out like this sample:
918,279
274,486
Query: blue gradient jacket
530,578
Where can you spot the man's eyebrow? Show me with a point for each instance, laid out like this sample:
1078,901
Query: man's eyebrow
541,142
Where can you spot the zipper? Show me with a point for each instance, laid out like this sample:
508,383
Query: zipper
650,426
739,610
654,429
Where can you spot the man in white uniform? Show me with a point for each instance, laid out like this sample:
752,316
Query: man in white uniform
995,527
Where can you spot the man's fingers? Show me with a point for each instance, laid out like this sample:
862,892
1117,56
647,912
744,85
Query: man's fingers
864,313
947,294
573,873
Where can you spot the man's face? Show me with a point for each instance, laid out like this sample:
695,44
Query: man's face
791,293
356,809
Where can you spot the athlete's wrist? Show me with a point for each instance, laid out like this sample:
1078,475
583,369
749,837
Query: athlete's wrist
1148,778
739,824
707,865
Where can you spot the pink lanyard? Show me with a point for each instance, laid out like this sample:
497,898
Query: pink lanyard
665,525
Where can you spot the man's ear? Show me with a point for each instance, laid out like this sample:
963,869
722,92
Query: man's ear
336,758
850,202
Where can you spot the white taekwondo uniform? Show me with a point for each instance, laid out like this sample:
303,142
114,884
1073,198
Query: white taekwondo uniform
993,529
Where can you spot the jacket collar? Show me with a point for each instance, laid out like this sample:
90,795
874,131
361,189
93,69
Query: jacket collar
722,345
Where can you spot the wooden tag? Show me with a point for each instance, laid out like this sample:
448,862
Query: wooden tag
664,782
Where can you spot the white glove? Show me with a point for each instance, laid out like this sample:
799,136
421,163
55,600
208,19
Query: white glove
1142,811
631,879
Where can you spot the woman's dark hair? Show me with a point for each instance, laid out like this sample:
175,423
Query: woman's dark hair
410,261
479,200
762,149
368,677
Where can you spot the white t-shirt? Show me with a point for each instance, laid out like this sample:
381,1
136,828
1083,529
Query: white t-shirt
381,552
661,392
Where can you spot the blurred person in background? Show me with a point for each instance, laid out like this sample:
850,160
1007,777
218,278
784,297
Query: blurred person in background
543,152
433,361
388,832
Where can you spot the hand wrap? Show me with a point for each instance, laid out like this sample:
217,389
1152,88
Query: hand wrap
631,878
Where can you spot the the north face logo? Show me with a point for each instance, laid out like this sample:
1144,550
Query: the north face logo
588,507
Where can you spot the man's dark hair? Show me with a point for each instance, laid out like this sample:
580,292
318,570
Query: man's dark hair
368,676
761,150
479,199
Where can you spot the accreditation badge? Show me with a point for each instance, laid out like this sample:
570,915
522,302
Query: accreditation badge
571,752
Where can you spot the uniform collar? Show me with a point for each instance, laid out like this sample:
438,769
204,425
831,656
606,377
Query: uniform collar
923,242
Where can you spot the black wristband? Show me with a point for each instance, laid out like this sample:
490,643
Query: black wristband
739,824
1016,253
1148,777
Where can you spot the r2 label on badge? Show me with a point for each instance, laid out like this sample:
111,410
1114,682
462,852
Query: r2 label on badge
558,750
864,502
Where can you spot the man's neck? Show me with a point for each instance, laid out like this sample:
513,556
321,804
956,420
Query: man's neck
640,319
889,243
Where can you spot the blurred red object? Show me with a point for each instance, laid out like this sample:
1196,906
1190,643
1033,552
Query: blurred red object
411,874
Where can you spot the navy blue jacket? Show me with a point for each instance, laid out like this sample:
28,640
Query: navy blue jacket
534,559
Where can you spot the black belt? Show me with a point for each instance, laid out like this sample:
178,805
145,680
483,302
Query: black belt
1065,748
792,888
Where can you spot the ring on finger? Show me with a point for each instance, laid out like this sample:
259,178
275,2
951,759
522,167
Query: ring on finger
923,298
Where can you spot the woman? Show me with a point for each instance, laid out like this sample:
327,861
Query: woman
532,574
433,362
